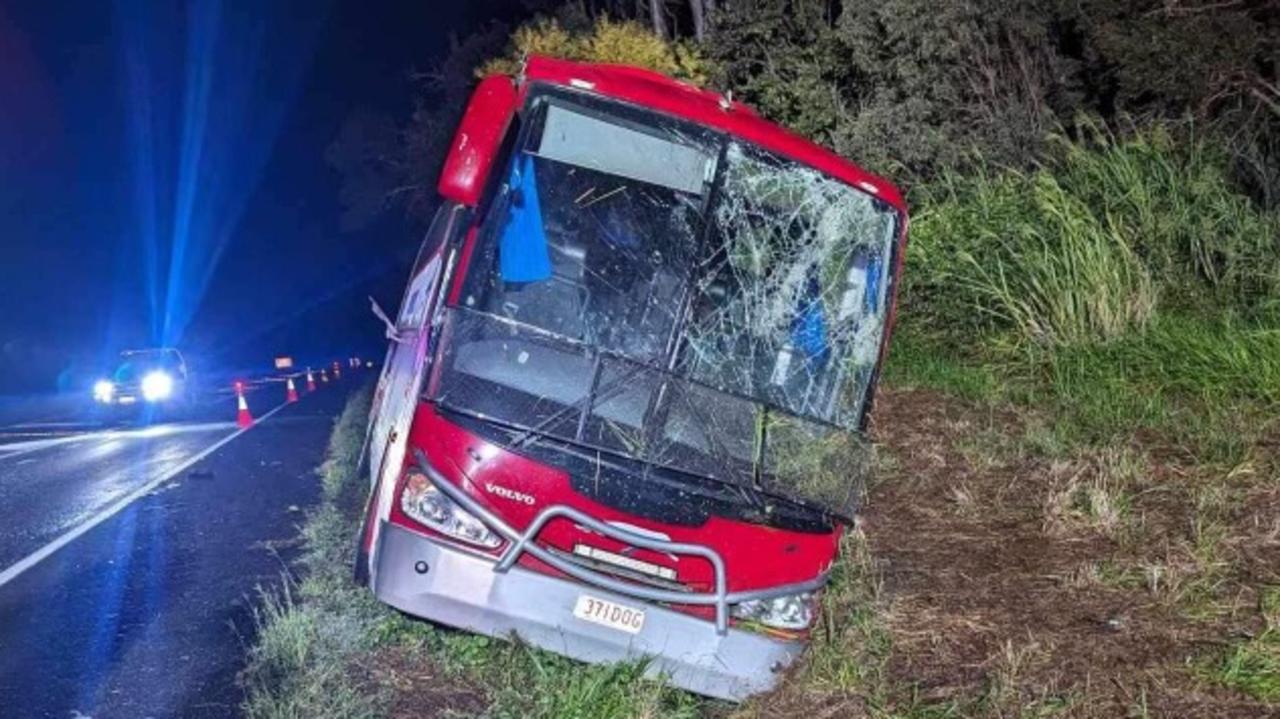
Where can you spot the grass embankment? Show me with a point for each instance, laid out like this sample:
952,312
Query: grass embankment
1078,503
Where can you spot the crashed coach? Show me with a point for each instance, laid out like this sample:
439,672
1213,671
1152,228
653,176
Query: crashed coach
622,413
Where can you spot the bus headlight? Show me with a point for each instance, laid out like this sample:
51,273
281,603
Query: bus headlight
157,386
428,505
103,390
793,611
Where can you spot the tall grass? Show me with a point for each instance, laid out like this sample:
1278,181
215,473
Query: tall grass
1169,192
1090,246
1122,285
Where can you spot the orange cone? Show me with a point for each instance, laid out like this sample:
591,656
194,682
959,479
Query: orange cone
311,381
291,392
337,371
324,375
243,418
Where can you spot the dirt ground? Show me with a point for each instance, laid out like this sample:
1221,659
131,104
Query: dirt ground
1100,583
415,686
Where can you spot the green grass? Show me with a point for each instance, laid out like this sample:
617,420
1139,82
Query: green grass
1212,387
1209,386
1123,286
1168,191
1253,666
917,359
1210,360
1105,236
297,667
309,632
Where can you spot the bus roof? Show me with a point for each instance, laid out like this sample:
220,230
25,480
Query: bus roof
654,90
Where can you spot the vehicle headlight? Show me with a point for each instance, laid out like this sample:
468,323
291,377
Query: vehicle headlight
427,504
103,390
793,611
157,385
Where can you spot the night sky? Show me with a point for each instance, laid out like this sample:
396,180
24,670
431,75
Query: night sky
162,177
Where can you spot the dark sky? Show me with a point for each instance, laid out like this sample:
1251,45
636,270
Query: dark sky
162,176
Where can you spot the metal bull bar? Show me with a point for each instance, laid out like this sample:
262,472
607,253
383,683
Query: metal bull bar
519,543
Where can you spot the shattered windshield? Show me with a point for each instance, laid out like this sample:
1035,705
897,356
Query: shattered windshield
790,308
662,292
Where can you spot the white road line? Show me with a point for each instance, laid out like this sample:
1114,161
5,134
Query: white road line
66,538
10,450
42,425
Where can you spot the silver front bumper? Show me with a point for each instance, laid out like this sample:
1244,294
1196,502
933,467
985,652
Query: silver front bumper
463,590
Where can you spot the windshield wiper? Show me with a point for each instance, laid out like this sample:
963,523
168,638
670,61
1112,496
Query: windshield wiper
580,405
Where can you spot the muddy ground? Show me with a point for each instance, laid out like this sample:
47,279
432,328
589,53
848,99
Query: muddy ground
1017,577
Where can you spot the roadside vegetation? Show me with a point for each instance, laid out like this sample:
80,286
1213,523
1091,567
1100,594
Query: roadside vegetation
1076,509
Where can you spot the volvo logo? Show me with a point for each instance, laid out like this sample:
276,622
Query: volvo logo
510,494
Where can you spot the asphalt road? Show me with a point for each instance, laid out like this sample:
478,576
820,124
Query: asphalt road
130,557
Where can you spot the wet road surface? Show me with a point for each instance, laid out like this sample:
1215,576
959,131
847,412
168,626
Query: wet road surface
160,536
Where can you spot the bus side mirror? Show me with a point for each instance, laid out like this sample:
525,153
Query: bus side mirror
478,140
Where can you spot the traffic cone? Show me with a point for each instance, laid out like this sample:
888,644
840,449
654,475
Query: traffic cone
243,418
290,392
311,381
324,376
337,371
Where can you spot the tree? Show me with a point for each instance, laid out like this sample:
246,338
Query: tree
657,15
922,85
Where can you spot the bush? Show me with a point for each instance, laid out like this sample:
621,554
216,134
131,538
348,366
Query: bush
606,41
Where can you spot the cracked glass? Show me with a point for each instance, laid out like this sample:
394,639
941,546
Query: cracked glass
649,288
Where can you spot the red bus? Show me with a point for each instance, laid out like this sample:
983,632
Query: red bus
623,411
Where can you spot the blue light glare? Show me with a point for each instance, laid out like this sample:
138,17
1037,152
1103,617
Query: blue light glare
207,87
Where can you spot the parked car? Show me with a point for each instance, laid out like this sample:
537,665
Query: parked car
622,412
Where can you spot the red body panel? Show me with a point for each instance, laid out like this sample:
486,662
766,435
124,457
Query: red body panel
755,556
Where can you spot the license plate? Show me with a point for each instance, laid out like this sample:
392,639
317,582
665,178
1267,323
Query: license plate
609,614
